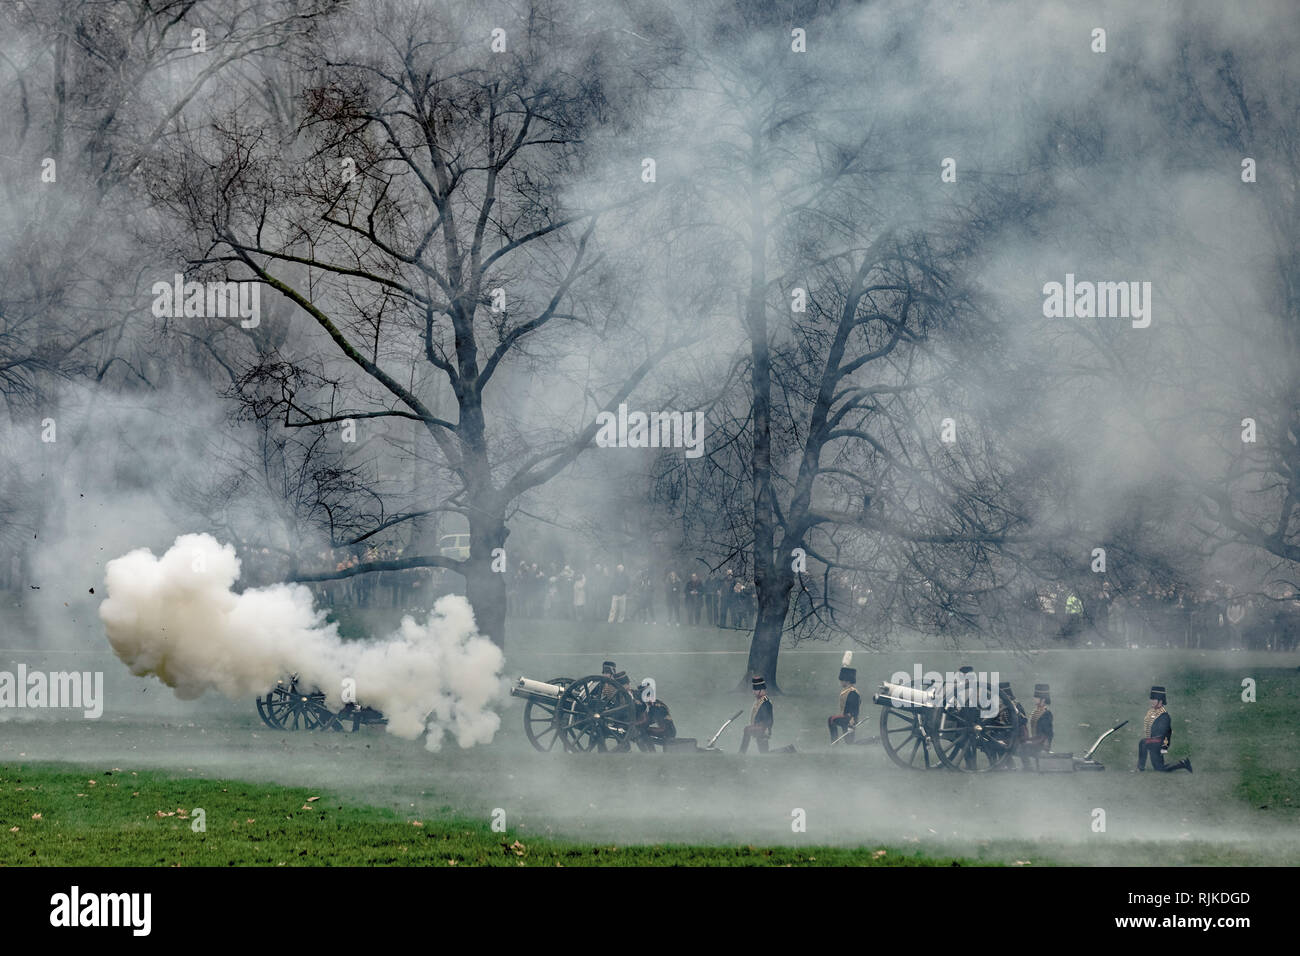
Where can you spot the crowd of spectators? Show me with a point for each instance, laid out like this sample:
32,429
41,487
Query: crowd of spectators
612,593
1163,615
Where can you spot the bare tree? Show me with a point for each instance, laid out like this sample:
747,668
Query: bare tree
846,271
444,265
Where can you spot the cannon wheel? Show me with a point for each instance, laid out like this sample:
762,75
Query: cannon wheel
274,707
308,712
288,708
904,733
595,713
539,719
971,743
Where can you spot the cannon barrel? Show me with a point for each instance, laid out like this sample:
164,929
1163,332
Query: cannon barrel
904,695
536,690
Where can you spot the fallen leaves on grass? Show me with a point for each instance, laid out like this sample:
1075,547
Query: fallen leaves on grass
36,816
877,854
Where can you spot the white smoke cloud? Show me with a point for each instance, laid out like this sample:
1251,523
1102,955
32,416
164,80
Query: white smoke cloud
177,618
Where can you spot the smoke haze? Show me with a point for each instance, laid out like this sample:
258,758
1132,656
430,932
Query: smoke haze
177,618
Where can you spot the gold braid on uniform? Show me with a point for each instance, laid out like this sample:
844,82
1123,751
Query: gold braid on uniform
1033,718
753,714
844,698
1152,714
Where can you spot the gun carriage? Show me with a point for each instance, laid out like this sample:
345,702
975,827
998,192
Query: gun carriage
942,725
954,726
582,715
291,706
593,714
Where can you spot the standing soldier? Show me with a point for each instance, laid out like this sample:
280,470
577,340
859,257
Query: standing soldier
1159,731
845,718
608,669
760,718
1038,726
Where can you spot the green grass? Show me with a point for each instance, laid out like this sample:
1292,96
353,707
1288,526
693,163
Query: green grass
54,816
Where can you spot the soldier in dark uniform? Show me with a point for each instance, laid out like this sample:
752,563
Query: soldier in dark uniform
654,721
760,718
845,718
1010,714
1158,732
1037,730
608,669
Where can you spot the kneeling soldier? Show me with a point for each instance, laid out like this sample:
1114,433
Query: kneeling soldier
845,719
1159,731
760,718
655,722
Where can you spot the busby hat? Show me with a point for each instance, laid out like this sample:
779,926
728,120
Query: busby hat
608,666
965,669
848,673
1005,686
1044,691
623,679
1158,693
758,682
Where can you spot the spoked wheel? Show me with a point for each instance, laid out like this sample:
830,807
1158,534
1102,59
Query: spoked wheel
307,711
539,719
595,714
905,733
972,743
275,706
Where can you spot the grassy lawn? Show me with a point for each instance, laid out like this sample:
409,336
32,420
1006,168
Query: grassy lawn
54,816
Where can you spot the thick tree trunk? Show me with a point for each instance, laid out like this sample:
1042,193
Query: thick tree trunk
772,597
774,602
485,589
